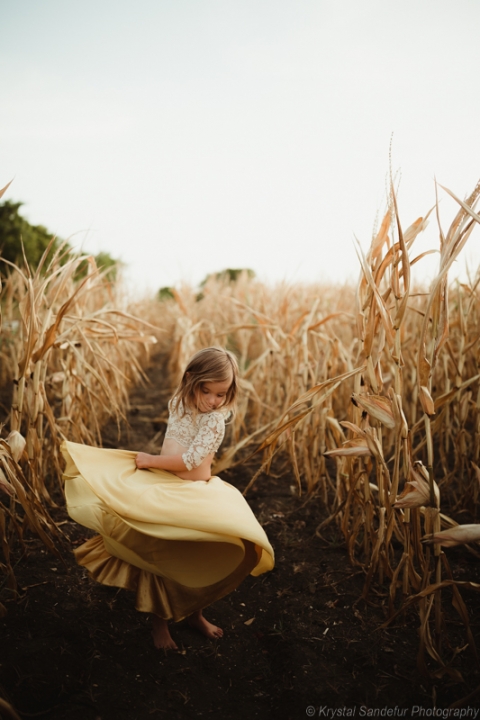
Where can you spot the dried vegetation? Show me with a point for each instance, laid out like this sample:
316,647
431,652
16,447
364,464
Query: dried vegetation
372,393
68,353
375,397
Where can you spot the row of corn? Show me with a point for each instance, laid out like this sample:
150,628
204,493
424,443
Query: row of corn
69,351
374,395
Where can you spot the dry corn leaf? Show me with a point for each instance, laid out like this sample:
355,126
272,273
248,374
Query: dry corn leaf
5,188
356,448
416,492
428,406
377,406
5,486
16,443
458,535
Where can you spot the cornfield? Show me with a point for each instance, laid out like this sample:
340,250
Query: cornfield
68,351
376,407
372,393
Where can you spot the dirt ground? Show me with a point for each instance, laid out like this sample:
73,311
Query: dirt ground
299,642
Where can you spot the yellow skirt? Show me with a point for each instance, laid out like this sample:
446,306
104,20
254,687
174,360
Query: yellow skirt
180,545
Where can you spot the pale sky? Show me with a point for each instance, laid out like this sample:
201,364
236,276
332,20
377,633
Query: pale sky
186,136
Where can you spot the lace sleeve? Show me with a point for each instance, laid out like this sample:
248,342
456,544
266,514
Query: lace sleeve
206,441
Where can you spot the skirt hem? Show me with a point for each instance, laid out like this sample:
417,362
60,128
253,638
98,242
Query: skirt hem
155,594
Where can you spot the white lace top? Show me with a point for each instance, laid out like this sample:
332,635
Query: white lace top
201,434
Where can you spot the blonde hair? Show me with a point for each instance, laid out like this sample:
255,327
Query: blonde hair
212,364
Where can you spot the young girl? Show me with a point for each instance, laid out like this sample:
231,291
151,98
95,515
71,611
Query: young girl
178,537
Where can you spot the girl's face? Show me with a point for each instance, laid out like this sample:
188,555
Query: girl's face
211,395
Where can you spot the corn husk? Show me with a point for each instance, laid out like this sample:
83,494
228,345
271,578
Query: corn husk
16,443
458,535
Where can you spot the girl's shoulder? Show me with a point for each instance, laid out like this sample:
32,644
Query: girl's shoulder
175,407
219,415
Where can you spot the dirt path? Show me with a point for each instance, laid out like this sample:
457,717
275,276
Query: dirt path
295,638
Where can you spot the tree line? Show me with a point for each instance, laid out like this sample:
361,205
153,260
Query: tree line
16,231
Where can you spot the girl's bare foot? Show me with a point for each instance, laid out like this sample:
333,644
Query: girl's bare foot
161,634
198,622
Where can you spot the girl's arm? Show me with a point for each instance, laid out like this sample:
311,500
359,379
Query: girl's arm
205,444
172,463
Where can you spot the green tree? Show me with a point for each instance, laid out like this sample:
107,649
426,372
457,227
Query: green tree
105,263
229,275
15,230
165,293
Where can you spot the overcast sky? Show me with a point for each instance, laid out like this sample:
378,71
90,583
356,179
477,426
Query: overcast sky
186,136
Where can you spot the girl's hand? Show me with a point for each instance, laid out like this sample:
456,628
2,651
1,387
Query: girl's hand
144,460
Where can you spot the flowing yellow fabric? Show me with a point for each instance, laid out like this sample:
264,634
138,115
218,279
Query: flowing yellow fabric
179,544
